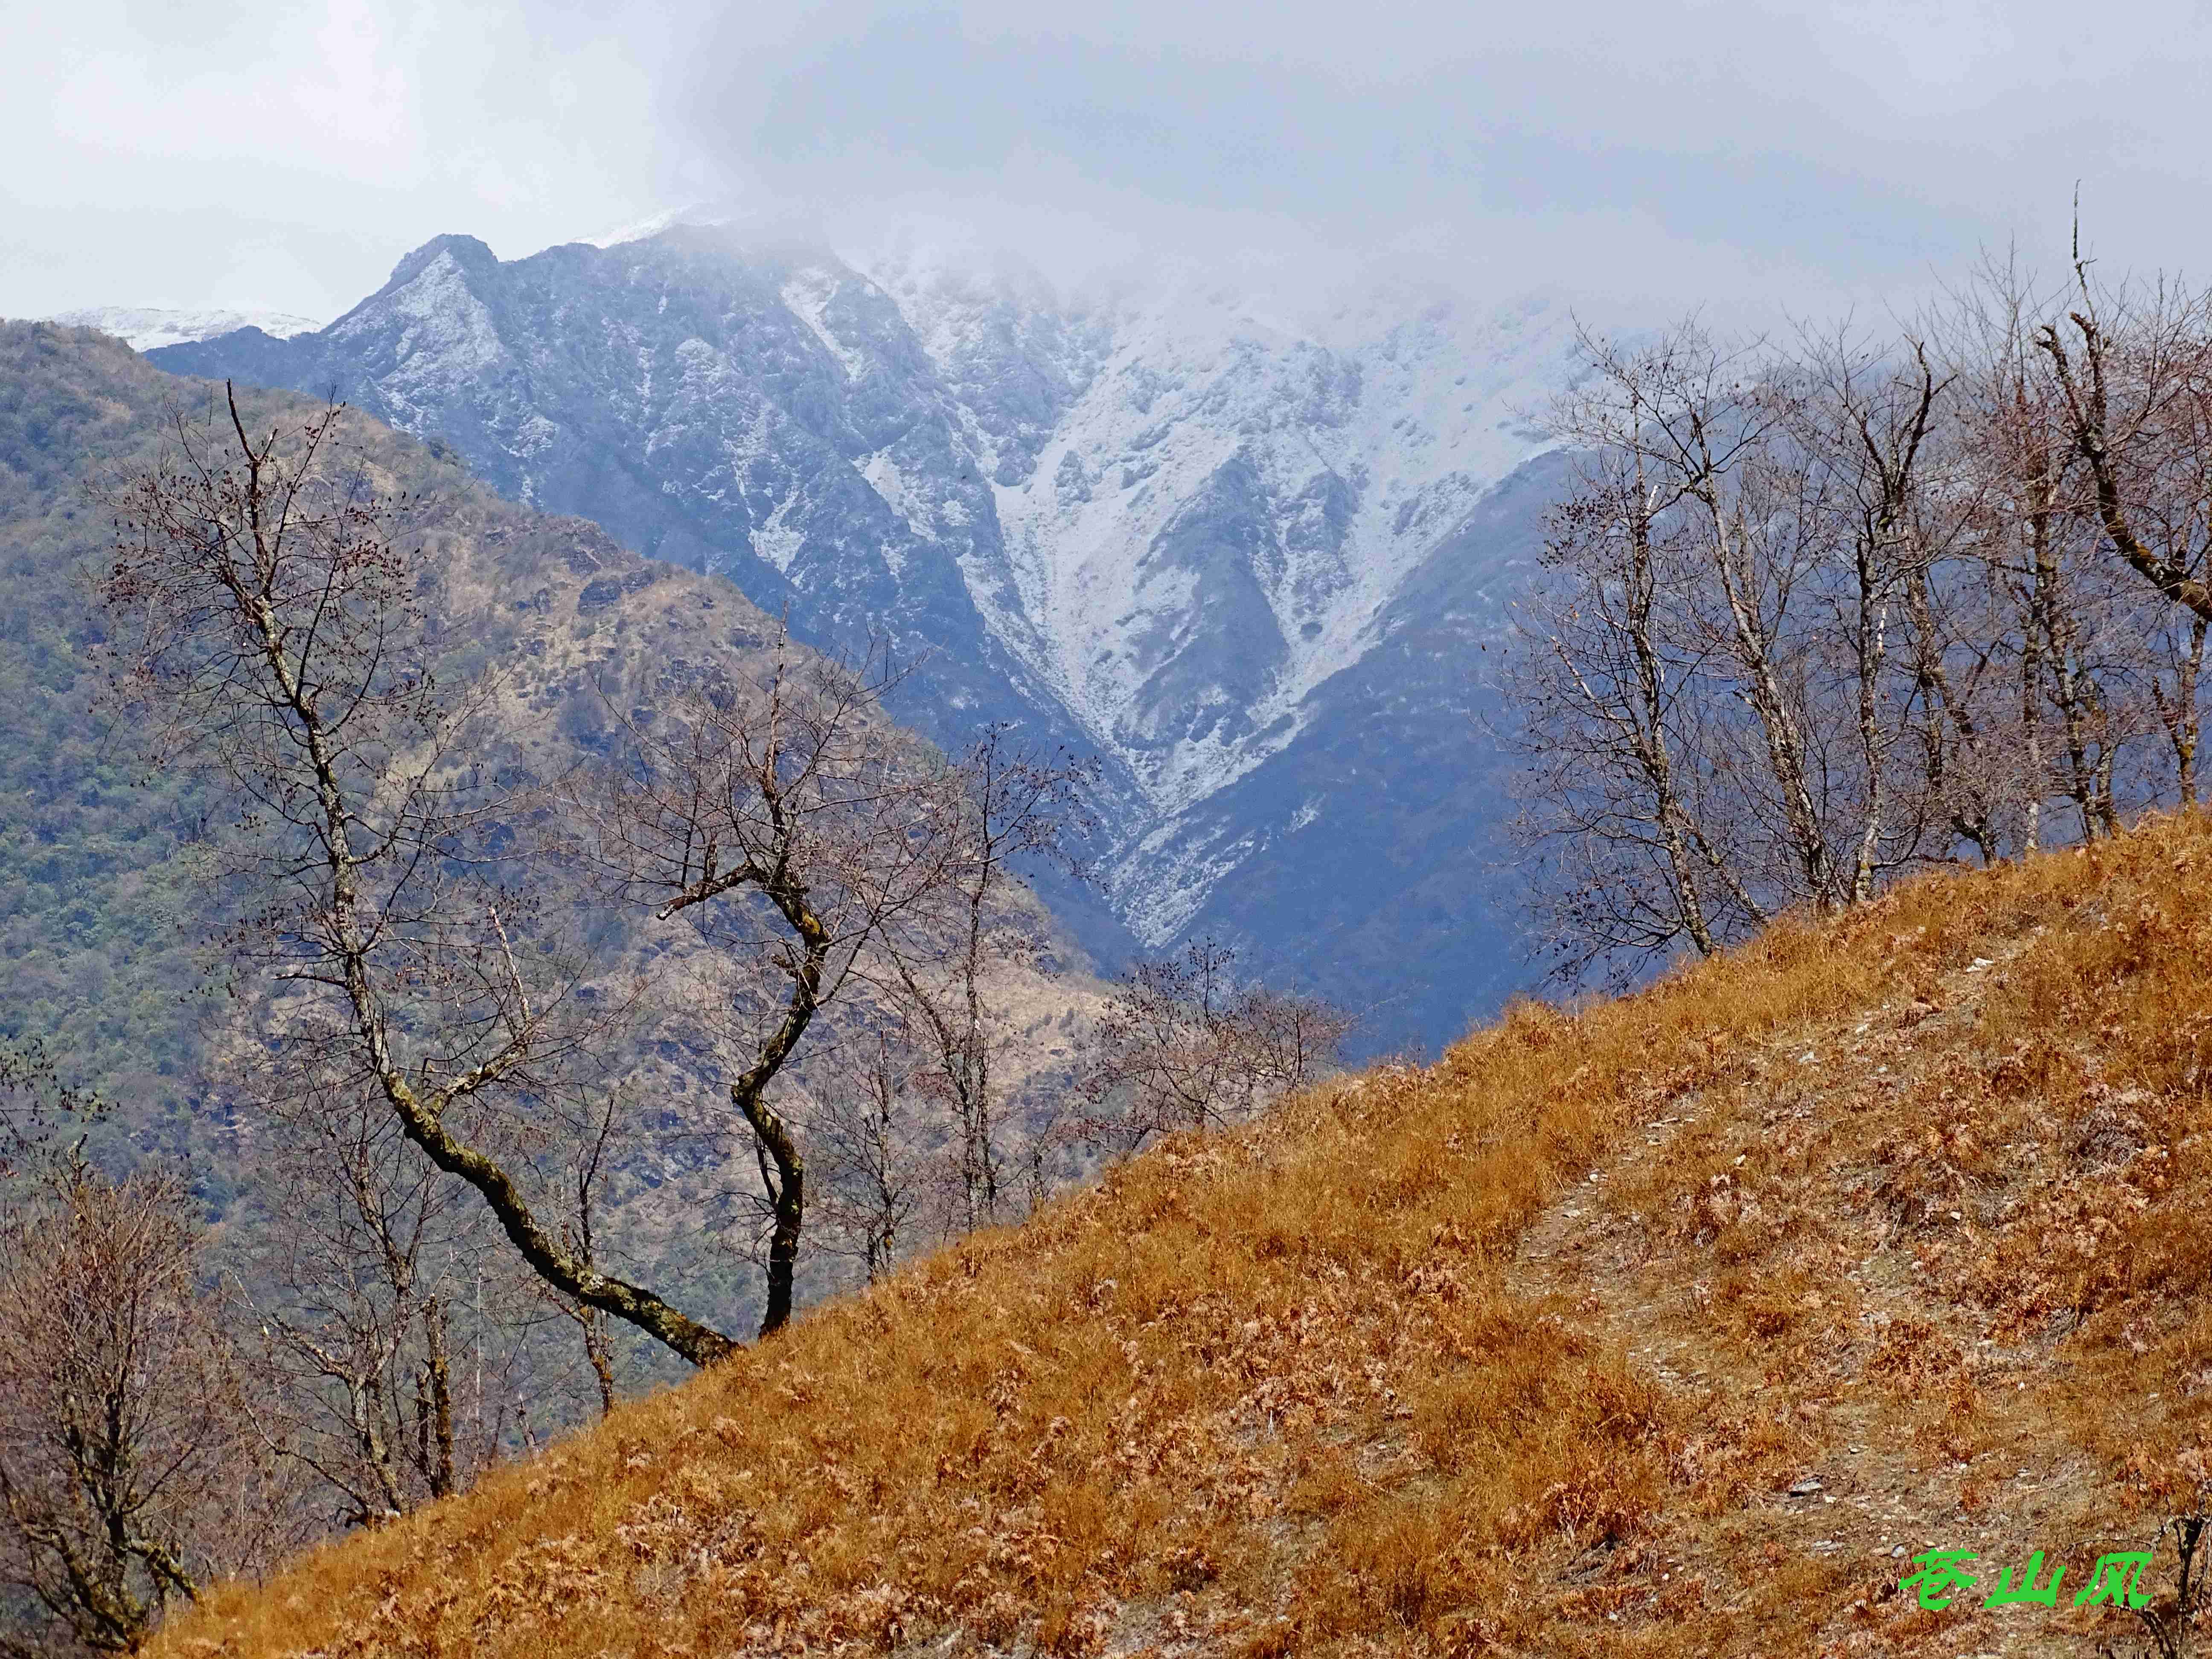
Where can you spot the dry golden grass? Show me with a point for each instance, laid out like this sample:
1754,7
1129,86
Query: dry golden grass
1519,1353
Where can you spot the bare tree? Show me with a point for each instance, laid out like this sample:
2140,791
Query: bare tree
2130,371
592,1145
126,1477
882,1169
274,635
1288,1038
1711,420
2007,429
2100,669
1608,682
1716,719
34,1098
1704,426
2141,356
794,829
1181,1045
1865,420
1961,619
390,1342
1014,806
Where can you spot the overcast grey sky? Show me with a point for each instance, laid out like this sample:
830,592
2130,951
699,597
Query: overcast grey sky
286,156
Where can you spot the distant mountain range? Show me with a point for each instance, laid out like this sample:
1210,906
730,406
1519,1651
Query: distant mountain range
1251,570
148,328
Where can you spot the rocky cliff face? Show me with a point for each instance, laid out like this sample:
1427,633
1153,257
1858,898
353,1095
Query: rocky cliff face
1248,568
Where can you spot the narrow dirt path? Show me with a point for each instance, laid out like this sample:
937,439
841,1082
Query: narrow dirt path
1882,1414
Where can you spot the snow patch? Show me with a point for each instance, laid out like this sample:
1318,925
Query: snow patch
808,294
777,541
885,477
1159,886
447,339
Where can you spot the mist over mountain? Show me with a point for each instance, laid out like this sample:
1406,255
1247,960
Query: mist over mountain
1250,570
148,328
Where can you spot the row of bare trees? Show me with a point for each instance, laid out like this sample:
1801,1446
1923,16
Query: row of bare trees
1812,616
173,1410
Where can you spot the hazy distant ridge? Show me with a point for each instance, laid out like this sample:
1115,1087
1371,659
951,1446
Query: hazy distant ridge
145,328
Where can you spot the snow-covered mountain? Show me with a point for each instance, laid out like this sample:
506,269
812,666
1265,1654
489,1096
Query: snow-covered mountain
1251,565
144,328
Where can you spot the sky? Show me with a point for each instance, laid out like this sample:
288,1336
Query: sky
285,156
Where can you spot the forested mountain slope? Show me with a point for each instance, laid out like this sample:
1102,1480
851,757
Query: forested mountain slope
94,934
1666,1327
103,917
1248,567
98,947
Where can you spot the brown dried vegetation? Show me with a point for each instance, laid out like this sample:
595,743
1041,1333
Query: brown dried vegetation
1650,1328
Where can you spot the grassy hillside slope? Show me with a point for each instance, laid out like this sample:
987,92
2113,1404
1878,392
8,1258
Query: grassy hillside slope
1541,1350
